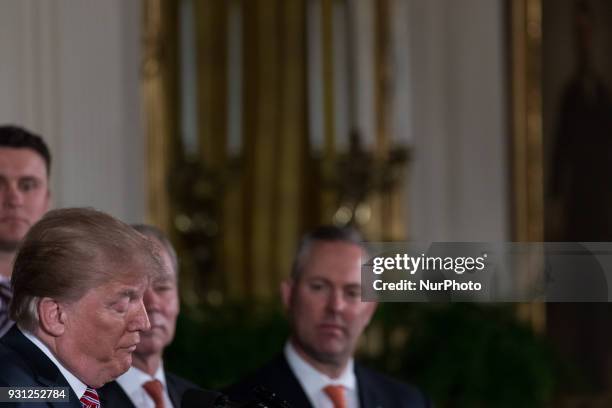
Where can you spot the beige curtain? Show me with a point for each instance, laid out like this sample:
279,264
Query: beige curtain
272,191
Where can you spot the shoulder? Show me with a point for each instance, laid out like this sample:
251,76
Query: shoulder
388,391
15,368
179,383
264,375
113,395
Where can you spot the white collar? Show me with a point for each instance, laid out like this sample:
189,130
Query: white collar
311,379
133,379
77,385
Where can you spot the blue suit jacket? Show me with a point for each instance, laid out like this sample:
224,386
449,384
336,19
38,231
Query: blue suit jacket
25,365
112,395
375,389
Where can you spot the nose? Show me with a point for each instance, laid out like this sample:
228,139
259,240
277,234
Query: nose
336,301
151,300
14,196
140,320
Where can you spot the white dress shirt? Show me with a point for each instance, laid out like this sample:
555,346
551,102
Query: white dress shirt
313,382
77,385
133,379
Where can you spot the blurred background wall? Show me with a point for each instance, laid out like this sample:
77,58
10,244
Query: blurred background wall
229,124
71,72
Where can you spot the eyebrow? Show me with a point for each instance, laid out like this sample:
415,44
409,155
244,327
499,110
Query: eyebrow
35,179
163,280
130,293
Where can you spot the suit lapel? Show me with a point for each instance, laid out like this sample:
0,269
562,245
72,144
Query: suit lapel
290,387
173,391
368,394
112,394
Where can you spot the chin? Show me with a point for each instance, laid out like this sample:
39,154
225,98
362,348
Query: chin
149,346
333,345
335,350
123,364
110,374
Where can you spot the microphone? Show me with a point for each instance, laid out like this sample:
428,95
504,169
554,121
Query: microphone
197,398
260,397
263,398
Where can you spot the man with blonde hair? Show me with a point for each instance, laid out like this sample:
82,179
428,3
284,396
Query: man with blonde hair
78,284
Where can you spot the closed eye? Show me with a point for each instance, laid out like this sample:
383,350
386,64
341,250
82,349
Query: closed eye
28,183
163,288
353,294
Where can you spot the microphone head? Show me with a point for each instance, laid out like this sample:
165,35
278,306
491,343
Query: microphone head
266,398
198,398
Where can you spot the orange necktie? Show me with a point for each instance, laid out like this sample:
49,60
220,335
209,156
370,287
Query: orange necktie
155,390
336,395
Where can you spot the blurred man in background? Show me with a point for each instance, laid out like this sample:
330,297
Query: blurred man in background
323,301
78,284
147,384
25,163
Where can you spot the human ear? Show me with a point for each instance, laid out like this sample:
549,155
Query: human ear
51,317
286,289
370,309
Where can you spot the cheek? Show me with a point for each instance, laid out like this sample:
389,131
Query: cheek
171,308
360,318
94,341
310,313
109,330
37,200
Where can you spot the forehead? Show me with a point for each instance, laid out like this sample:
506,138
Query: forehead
119,270
132,285
168,266
165,259
335,261
110,291
21,162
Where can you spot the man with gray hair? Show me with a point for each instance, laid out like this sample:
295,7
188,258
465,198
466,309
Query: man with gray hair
147,384
78,284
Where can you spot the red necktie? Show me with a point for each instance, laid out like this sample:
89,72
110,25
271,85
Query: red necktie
155,389
336,395
90,399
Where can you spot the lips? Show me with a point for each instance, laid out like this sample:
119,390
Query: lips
332,328
131,344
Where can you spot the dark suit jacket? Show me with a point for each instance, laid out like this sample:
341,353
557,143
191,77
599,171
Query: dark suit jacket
112,395
25,365
375,390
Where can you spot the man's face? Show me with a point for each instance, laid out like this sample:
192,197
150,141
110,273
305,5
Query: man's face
324,304
102,329
162,303
24,193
